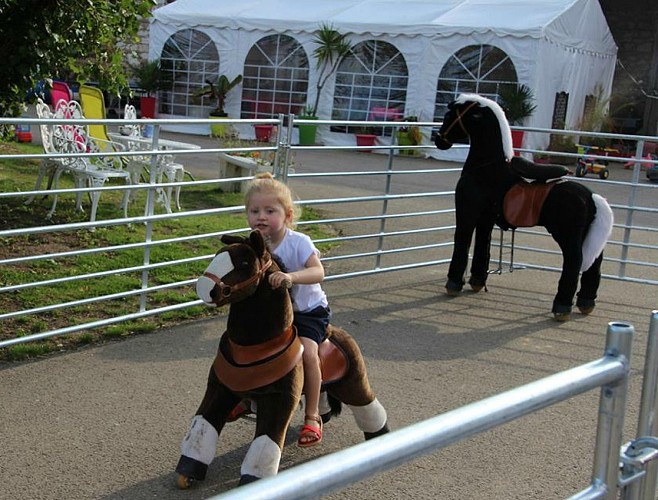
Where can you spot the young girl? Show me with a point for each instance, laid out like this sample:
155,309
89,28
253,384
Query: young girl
271,211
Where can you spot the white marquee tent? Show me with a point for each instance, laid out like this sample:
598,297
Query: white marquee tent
554,45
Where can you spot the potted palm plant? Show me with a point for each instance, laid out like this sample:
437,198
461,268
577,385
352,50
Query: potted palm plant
217,90
331,48
517,102
148,77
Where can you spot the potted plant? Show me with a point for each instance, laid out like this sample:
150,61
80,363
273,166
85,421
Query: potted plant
365,136
217,90
517,102
148,77
409,135
307,132
331,48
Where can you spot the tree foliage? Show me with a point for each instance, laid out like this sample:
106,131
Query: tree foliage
75,40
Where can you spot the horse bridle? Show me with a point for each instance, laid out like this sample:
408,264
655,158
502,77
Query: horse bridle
456,121
225,291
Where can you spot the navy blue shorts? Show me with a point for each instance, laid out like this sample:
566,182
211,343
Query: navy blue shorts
313,324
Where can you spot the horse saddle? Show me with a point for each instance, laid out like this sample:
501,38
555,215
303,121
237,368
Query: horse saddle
529,170
244,368
523,203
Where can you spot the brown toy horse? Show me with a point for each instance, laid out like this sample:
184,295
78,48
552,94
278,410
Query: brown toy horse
260,358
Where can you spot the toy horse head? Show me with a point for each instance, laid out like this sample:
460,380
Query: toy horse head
470,114
236,271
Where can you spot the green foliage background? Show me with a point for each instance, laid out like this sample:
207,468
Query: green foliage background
75,40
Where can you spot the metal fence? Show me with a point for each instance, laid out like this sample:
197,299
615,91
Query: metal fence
378,203
390,216
635,480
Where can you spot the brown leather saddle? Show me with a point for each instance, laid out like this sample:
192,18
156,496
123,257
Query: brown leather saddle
244,368
523,203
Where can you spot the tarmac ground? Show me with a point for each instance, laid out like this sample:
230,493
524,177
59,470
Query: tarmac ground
106,421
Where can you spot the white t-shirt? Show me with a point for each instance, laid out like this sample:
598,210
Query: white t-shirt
294,250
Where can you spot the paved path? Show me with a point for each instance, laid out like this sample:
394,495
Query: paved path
105,422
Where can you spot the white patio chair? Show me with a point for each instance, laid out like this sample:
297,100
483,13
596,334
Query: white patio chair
90,171
166,166
48,166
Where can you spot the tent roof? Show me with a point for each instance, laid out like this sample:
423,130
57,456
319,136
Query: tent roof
579,24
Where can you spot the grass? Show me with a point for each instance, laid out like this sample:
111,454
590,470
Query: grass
20,175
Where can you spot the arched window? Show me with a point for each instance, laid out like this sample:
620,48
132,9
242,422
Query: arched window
188,59
478,69
371,84
275,78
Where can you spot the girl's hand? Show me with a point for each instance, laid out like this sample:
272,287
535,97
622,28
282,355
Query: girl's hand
280,280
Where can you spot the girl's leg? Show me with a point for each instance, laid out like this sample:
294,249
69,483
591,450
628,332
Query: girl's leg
312,431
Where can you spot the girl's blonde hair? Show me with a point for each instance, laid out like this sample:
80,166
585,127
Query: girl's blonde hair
264,182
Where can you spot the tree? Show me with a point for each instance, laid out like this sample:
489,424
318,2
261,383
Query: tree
76,40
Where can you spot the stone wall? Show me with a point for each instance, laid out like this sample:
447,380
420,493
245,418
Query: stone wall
634,26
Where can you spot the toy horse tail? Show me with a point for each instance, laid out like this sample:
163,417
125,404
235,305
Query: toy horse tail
599,232
329,406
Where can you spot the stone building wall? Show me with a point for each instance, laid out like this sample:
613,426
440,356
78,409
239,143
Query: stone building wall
634,26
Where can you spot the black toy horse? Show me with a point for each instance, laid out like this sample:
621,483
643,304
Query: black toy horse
260,358
579,220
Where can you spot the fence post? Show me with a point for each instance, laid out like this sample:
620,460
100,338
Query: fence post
612,405
647,424
631,203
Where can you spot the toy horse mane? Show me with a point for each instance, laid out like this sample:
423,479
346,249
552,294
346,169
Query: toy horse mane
505,131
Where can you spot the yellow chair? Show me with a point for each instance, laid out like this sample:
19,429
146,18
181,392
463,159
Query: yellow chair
93,107
92,103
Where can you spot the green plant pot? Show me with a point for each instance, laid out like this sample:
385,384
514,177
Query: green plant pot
405,140
307,133
218,130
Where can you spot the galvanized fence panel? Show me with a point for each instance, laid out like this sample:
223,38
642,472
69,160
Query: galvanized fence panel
377,211
389,217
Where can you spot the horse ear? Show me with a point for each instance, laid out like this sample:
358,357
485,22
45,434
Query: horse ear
229,239
257,242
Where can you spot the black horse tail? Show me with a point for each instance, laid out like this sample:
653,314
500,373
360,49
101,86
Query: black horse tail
335,408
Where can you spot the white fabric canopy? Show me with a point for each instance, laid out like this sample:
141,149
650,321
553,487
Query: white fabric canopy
555,45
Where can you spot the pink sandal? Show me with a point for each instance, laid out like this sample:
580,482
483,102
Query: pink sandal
310,435
242,409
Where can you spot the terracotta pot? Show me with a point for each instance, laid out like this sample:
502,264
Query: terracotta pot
365,140
147,106
517,140
263,132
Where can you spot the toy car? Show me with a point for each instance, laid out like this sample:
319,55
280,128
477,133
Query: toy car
591,166
585,167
